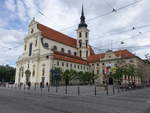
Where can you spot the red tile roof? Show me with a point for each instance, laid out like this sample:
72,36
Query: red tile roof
69,58
122,53
56,36
96,58
59,37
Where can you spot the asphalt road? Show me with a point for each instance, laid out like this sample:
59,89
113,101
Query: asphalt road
16,101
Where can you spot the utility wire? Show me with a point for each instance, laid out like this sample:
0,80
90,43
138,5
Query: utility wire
114,10
40,12
124,39
129,47
105,14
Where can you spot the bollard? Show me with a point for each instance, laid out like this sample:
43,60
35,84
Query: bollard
56,89
121,89
113,90
66,89
35,86
106,90
48,88
24,87
41,90
78,90
118,90
95,90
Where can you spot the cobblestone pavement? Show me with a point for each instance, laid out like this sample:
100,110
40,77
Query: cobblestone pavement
33,101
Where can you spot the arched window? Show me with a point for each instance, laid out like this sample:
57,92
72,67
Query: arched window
30,49
62,50
80,53
22,71
57,63
69,52
55,48
43,71
86,53
33,72
86,34
32,30
86,43
25,47
80,34
80,43
75,54
62,63
35,42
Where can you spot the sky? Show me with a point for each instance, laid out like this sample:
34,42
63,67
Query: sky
128,23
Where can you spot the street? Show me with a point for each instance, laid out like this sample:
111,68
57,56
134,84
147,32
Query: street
17,101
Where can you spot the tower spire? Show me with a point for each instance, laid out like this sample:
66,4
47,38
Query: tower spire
82,19
82,15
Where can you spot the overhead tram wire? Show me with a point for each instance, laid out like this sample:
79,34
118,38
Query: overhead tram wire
41,13
133,27
130,29
105,14
129,47
126,39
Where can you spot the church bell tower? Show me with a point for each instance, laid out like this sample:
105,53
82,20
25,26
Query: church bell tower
83,38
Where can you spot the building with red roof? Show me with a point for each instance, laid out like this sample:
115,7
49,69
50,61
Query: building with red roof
46,49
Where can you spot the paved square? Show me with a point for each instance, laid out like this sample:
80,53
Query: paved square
20,101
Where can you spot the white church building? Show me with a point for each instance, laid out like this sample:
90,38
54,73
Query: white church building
46,48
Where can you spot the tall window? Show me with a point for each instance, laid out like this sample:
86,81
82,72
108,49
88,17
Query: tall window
75,54
86,53
80,43
30,49
62,50
33,73
80,53
86,43
80,34
25,47
69,52
35,42
55,48
57,63
43,71
22,71
71,65
74,66
66,64
32,30
62,63
86,34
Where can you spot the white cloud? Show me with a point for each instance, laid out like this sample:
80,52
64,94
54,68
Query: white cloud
60,14
10,4
21,11
10,45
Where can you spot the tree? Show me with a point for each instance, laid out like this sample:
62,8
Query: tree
66,76
7,73
117,74
87,77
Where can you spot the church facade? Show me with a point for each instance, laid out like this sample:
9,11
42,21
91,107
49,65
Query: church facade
46,48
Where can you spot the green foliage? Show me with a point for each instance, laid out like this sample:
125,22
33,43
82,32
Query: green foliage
118,73
7,73
87,76
126,70
69,75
